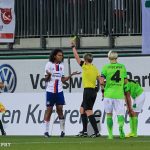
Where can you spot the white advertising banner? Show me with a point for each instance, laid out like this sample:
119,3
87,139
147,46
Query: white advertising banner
27,76
24,75
25,112
7,21
146,26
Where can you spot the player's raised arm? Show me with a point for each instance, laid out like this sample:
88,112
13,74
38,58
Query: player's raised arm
76,55
63,79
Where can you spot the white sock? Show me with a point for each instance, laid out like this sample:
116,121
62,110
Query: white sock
46,123
62,125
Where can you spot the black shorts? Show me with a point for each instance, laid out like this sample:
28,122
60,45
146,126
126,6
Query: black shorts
89,97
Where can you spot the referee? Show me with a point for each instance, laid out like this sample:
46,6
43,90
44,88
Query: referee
89,76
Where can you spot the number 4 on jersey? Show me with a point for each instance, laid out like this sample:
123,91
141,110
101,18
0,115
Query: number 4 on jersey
116,76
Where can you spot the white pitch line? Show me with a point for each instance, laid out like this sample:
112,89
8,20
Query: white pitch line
53,142
83,142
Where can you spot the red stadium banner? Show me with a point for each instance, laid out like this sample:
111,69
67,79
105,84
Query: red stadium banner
7,21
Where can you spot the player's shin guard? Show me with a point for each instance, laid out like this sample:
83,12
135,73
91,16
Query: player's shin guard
110,126
135,125
93,123
84,122
62,124
121,124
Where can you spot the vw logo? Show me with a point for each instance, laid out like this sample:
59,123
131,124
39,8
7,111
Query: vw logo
8,77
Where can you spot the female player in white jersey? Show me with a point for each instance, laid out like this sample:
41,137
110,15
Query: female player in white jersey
54,77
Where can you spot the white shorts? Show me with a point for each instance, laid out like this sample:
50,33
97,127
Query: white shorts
138,103
114,104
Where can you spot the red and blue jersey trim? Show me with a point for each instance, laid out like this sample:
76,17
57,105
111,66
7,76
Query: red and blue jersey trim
56,81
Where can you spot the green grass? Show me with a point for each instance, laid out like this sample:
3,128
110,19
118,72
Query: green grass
74,143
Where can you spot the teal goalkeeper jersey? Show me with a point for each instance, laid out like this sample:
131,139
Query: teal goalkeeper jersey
133,88
114,73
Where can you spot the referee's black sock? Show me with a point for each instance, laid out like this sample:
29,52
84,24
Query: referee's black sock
93,123
1,128
84,122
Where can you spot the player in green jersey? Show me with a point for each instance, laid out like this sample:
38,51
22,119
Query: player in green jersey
115,75
134,90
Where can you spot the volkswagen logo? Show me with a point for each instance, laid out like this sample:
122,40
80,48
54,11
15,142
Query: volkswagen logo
8,77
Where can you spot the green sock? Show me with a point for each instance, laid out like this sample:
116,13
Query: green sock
135,124
131,125
110,125
120,121
121,124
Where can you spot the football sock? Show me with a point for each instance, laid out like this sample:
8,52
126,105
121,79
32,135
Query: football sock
93,123
131,125
46,123
121,120
84,122
121,124
62,124
135,125
110,125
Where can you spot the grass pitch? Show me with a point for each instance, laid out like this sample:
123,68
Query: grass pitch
72,143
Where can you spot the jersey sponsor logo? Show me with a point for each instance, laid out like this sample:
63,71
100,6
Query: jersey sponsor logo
8,77
115,67
6,15
56,75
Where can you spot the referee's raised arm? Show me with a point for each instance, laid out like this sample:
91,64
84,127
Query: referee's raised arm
76,55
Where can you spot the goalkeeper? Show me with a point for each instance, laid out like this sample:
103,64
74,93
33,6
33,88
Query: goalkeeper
134,90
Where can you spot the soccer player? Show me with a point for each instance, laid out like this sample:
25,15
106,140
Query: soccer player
115,76
89,76
2,110
133,89
54,77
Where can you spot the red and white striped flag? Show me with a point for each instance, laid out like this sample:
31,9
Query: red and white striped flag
7,21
